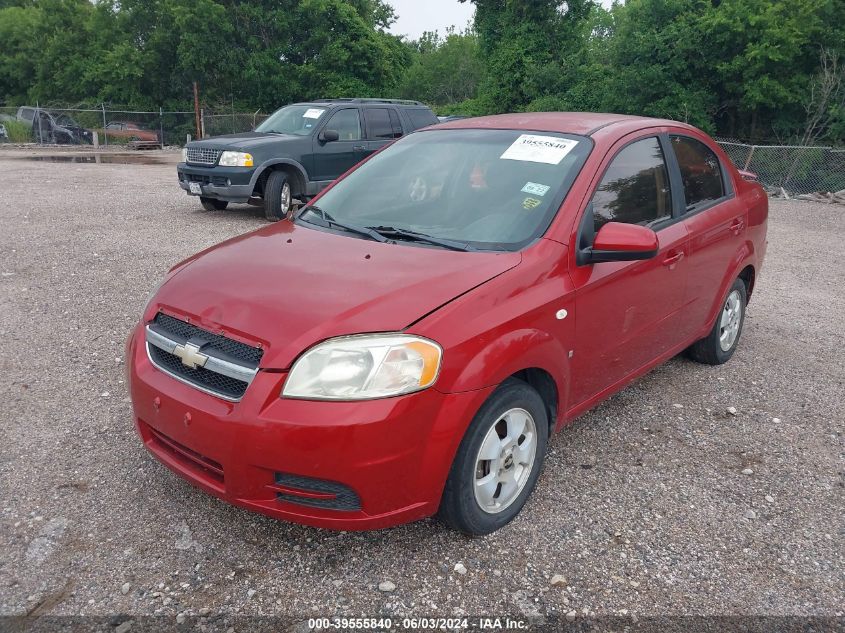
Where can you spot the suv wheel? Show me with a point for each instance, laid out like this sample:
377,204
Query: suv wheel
213,204
278,197
498,461
718,346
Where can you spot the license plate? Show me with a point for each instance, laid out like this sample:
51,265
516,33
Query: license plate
195,188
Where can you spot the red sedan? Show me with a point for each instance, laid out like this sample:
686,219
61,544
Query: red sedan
406,345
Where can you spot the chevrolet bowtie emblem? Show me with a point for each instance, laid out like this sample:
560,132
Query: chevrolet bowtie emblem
190,355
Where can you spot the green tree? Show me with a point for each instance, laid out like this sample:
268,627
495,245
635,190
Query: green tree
19,29
445,70
528,48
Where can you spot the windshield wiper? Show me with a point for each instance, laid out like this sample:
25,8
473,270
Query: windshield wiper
415,236
330,222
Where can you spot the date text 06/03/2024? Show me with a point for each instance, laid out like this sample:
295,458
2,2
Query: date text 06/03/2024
418,624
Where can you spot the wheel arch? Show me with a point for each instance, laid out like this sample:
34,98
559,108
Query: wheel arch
295,171
530,355
748,276
743,266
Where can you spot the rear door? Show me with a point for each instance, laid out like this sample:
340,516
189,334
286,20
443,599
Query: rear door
383,127
331,159
716,222
627,312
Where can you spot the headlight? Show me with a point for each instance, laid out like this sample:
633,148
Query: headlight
184,154
364,367
235,159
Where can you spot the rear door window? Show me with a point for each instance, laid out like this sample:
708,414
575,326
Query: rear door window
379,126
701,172
395,123
635,188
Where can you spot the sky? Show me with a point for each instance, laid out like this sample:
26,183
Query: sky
430,15
416,16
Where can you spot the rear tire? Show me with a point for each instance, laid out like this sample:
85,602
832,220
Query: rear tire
498,461
278,197
213,204
718,346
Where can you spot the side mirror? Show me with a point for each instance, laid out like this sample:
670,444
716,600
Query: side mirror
619,242
328,136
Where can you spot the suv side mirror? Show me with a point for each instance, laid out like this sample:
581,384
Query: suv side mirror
619,242
328,136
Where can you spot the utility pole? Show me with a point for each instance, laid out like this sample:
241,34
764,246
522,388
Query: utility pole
197,110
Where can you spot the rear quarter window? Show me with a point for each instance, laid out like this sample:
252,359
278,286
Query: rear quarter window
421,117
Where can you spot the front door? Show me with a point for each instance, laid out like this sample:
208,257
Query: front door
333,158
627,313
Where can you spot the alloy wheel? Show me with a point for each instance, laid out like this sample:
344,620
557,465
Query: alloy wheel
730,321
505,460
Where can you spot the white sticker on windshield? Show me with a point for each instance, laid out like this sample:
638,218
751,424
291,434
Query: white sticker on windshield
534,189
539,149
313,113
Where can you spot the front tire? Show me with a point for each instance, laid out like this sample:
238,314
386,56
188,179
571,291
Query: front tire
278,197
213,204
718,346
498,461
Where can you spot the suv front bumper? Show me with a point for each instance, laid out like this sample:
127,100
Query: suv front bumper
338,465
233,184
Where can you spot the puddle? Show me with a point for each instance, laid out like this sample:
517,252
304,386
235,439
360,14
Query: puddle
122,159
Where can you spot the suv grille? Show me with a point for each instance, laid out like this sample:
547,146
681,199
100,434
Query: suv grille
229,367
203,155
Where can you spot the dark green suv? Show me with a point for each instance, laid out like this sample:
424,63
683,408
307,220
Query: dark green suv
296,152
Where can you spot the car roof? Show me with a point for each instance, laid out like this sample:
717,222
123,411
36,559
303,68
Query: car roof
325,103
581,123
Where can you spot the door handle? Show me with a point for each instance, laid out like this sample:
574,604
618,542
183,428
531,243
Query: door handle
737,225
359,148
673,259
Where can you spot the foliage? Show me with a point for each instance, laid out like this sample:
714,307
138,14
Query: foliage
528,48
740,68
148,53
445,70
17,131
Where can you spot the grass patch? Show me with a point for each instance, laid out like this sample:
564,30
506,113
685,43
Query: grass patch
17,131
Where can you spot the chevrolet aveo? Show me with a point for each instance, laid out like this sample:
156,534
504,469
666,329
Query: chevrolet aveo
406,344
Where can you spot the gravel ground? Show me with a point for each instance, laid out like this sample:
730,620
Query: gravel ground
657,502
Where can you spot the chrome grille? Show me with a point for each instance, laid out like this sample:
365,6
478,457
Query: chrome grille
223,367
203,155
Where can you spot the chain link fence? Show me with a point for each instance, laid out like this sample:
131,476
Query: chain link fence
215,123
101,126
787,171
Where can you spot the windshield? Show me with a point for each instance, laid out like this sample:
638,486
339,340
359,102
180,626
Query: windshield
489,189
295,119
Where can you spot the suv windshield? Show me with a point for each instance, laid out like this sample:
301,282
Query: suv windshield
488,189
295,119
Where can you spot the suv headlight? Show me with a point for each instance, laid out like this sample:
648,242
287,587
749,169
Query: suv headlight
364,367
235,159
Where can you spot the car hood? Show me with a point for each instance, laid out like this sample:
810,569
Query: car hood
288,287
244,140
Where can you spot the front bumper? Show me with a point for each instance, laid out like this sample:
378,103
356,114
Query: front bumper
385,462
233,184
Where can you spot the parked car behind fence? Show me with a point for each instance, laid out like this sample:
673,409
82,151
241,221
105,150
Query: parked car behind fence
49,127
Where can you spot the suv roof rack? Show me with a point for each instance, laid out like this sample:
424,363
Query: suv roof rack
368,100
